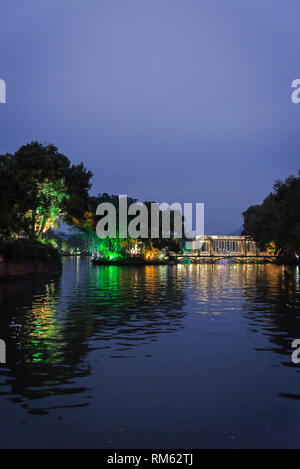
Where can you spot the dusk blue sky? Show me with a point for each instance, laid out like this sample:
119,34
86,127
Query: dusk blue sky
162,100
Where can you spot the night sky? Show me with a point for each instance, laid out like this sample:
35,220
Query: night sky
163,100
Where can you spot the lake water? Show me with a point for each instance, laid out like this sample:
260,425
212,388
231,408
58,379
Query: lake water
186,356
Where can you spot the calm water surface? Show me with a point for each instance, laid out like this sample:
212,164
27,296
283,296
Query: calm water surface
187,356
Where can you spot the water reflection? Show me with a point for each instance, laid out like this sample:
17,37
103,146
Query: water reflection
50,326
273,309
188,350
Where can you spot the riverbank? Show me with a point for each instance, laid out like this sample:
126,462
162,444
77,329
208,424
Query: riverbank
187,260
25,258
129,262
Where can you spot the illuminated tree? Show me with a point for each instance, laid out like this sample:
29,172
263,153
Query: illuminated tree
40,186
117,247
109,248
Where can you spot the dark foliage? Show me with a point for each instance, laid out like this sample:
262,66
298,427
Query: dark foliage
277,219
28,250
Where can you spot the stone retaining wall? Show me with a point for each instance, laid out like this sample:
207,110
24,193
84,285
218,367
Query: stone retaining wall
10,269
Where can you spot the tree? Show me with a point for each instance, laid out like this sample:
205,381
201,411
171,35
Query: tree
38,186
277,219
9,194
162,242
114,247
110,247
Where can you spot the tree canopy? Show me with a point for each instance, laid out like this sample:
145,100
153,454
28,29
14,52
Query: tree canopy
277,220
118,246
38,187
